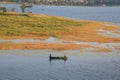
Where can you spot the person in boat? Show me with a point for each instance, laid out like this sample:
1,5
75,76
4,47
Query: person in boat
50,56
65,57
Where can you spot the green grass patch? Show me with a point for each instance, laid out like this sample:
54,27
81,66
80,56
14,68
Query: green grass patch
40,25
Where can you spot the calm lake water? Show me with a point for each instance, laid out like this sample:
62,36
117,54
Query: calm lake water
35,64
107,14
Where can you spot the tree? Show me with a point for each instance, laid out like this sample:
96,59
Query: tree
23,7
13,9
3,9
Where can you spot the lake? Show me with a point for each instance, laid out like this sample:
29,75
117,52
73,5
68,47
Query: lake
35,64
107,14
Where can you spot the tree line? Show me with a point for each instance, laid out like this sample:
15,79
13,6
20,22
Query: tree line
71,2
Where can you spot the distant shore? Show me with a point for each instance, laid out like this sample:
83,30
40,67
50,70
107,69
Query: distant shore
3,2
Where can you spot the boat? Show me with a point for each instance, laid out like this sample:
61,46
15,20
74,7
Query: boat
57,57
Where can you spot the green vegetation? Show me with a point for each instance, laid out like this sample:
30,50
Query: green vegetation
24,6
3,10
16,24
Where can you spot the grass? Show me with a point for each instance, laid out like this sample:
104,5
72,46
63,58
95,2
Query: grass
35,25
16,25
51,46
101,49
118,47
55,46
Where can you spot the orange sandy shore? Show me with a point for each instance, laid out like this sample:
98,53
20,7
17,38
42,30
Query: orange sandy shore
54,46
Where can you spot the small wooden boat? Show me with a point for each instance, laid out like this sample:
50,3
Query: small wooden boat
58,58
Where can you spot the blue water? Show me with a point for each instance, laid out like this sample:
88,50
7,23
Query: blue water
107,14
35,65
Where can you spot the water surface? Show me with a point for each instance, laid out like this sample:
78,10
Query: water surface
107,14
35,65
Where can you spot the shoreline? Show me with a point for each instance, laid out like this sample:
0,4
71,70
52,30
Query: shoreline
3,2
56,44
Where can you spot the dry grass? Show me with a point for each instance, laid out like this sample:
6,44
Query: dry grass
100,49
89,33
118,48
116,32
55,46
110,27
43,26
16,25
